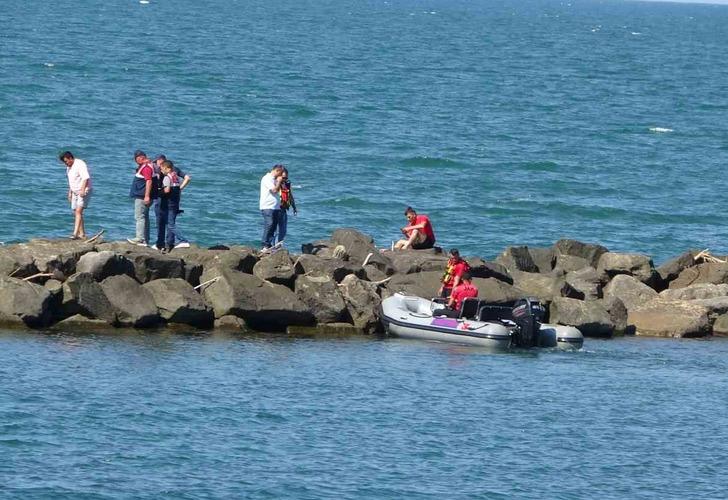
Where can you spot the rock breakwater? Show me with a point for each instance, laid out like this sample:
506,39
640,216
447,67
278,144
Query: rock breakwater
337,285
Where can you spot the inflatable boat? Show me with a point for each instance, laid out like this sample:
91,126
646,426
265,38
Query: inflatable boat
479,324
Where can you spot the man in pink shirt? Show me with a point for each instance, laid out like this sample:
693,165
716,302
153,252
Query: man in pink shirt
79,191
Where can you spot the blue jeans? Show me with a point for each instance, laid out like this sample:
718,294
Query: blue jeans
270,224
141,216
282,225
172,231
160,214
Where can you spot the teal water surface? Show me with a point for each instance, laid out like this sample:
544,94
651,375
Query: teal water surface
508,122
173,416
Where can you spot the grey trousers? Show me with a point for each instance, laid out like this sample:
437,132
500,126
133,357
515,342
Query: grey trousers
141,216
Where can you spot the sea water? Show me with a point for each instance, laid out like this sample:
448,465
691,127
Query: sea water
507,122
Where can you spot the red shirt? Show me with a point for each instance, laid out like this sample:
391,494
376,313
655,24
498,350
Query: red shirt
462,291
145,171
457,270
423,219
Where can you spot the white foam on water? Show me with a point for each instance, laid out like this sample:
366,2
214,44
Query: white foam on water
49,65
661,130
636,33
143,2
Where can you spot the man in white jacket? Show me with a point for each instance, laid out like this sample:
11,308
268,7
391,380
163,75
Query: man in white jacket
79,191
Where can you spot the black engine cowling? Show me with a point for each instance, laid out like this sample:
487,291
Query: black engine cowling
527,315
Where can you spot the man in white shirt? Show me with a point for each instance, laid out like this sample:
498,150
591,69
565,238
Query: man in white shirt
79,191
270,203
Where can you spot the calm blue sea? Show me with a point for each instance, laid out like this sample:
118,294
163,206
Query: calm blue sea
508,122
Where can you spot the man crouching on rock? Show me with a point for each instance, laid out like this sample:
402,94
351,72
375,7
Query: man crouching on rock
418,232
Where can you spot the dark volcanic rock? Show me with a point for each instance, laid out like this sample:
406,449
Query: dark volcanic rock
22,302
134,305
709,272
321,294
103,264
589,251
263,305
358,247
517,259
544,258
591,318
82,294
276,268
672,268
362,302
480,268
178,302
312,265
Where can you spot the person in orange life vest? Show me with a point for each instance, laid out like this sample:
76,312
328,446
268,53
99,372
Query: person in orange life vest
462,291
418,232
287,202
456,266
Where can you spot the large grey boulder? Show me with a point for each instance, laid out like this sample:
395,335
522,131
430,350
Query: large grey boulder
517,258
362,302
178,302
670,318
16,261
321,295
618,314
697,291
425,284
494,291
358,246
589,251
631,291
673,267
584,283
83,295
591,318
103,264
263,305
416,261
237,258
544,258
312,265
709,272
720,325
134,305
480,268
569,263
320,248
148,264
542,286
276,268
640,266
60,256
22,302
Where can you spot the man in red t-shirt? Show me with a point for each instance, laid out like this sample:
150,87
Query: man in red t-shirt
464,290
456,267
418,232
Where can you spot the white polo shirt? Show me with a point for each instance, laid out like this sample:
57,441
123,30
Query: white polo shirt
268,200
77,173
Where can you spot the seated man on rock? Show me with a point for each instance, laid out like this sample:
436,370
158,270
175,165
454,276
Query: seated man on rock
464,290
418,232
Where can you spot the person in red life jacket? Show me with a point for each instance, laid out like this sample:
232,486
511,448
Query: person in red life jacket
456,267
465,289
287,202
418,232
142,193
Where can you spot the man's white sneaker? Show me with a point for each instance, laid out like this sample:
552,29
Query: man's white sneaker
137,242
154,247
182,244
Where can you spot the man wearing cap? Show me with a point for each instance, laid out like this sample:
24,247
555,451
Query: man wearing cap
141,192
156,196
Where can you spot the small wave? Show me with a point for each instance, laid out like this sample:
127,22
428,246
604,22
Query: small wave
661,130
430,162
49,65
541,166
636,33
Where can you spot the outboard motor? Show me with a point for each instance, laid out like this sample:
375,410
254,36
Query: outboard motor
527,315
